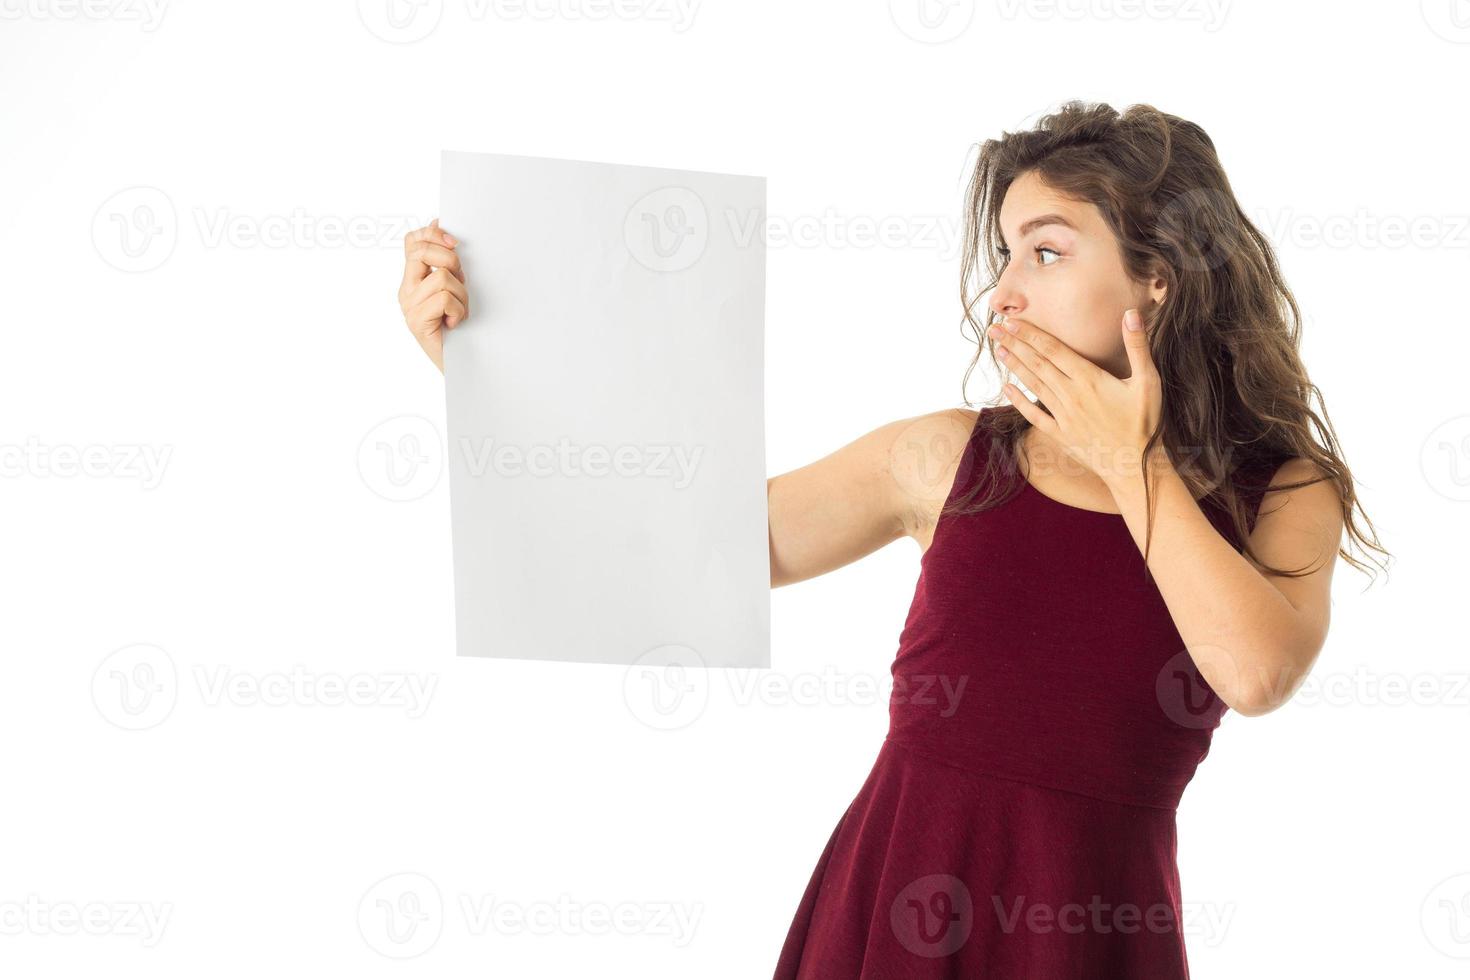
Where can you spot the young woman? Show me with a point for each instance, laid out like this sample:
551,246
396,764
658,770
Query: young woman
1106,569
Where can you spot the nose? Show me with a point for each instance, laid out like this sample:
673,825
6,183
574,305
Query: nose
1005,301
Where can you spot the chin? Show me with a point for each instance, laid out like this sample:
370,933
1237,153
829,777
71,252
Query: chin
1090,346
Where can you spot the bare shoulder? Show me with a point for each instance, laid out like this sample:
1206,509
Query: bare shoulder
925,455
1318,502
875,489
1300,525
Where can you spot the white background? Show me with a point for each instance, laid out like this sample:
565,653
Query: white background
253,352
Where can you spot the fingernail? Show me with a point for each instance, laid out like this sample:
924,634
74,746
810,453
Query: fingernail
1131,320
450,239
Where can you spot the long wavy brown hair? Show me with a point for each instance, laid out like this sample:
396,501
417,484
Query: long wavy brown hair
1226,338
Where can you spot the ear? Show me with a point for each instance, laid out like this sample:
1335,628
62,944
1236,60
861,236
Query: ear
1158,290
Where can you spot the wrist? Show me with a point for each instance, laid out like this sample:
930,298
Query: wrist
1127,480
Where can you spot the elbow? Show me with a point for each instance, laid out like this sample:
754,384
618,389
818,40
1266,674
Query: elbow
1255,702
1272,687
1261,697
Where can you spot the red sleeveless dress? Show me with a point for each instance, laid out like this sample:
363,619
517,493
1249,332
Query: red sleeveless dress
1044,720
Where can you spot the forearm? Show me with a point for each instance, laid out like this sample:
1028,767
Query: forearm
1241,631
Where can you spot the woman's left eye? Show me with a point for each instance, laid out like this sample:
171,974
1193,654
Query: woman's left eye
1043,248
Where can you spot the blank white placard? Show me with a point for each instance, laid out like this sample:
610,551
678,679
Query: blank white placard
605,403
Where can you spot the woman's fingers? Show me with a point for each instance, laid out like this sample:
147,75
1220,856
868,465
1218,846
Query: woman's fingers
432,294
430,232
426,247
423,255
425,318
439,281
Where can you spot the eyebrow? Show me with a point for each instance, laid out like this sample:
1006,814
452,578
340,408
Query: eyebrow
1040,221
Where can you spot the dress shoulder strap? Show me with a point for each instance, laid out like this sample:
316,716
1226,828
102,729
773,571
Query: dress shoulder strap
1251,483
983,453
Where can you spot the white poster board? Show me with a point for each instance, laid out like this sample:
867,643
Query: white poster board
605,403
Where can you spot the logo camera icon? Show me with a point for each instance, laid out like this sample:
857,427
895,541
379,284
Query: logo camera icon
135,230
136,687
401,916
667,230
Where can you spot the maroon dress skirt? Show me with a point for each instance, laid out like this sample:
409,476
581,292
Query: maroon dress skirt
1045,717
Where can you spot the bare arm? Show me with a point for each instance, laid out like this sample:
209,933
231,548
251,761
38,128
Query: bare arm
1253,636
882,486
